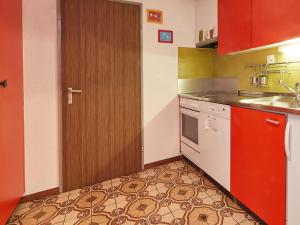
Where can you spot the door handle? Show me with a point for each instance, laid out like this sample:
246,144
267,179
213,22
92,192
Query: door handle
70,95
274,122
287,141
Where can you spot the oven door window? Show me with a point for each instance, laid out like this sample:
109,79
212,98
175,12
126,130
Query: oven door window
189,128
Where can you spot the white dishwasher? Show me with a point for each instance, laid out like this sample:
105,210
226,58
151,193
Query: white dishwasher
214,143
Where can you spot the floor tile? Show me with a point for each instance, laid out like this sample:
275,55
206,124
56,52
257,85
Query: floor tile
31,217
80,191
202,215
71,221
161,219
248,222
75,213
229,221
239,216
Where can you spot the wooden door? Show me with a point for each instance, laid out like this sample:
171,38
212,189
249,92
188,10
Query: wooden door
258,163
275,21
11,108
234,29
101,56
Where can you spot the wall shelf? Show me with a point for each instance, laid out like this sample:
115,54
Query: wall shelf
274,68
211,43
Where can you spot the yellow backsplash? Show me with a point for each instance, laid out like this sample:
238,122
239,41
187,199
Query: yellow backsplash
235,66
195,63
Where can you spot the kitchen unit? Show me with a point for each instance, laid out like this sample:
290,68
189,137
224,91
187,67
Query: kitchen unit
205,137
264,157
258,162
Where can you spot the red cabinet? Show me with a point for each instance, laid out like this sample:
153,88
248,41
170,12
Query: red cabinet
254,23
274,21
11,108
258,163
234,19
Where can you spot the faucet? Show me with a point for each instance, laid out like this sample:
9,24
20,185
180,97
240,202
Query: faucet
295,91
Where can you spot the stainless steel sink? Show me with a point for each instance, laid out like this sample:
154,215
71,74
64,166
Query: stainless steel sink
276,101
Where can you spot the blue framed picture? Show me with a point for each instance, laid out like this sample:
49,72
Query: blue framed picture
165,36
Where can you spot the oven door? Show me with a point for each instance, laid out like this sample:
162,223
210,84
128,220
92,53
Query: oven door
189,128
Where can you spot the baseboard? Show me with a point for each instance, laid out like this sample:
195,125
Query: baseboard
39,195
161,162
225,191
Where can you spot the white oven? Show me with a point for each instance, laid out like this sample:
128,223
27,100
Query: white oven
205,137
189,123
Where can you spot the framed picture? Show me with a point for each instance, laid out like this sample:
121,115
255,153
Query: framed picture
154,16
165,36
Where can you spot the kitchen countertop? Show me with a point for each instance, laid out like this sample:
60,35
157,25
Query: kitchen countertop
290,104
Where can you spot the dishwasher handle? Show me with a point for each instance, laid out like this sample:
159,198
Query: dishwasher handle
287,141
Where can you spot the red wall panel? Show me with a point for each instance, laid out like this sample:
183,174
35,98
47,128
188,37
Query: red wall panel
11,108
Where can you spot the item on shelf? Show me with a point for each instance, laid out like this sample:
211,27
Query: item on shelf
201,35
211,33
206,35
254,80
263,80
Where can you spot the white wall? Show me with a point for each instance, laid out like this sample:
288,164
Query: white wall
41,95
160,70
206,15
160,73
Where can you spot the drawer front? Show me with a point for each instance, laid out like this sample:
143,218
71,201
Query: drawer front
190,153
189,103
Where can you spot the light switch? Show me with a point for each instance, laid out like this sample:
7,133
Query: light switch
270,59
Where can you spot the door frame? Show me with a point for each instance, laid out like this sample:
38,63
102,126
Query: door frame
60,89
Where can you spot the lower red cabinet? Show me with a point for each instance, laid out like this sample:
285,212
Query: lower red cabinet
258,163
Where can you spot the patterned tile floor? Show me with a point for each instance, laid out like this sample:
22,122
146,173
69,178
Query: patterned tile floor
174,194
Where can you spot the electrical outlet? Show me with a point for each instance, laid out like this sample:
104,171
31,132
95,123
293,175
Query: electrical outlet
270,59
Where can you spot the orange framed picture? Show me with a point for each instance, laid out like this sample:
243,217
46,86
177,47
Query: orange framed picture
154,16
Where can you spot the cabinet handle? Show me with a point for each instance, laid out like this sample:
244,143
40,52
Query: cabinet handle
3,84
274,122
287,141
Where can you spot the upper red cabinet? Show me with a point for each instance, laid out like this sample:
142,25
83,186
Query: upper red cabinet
234,19
274,21
254,23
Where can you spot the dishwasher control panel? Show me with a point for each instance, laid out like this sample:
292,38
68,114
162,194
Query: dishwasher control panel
215,109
